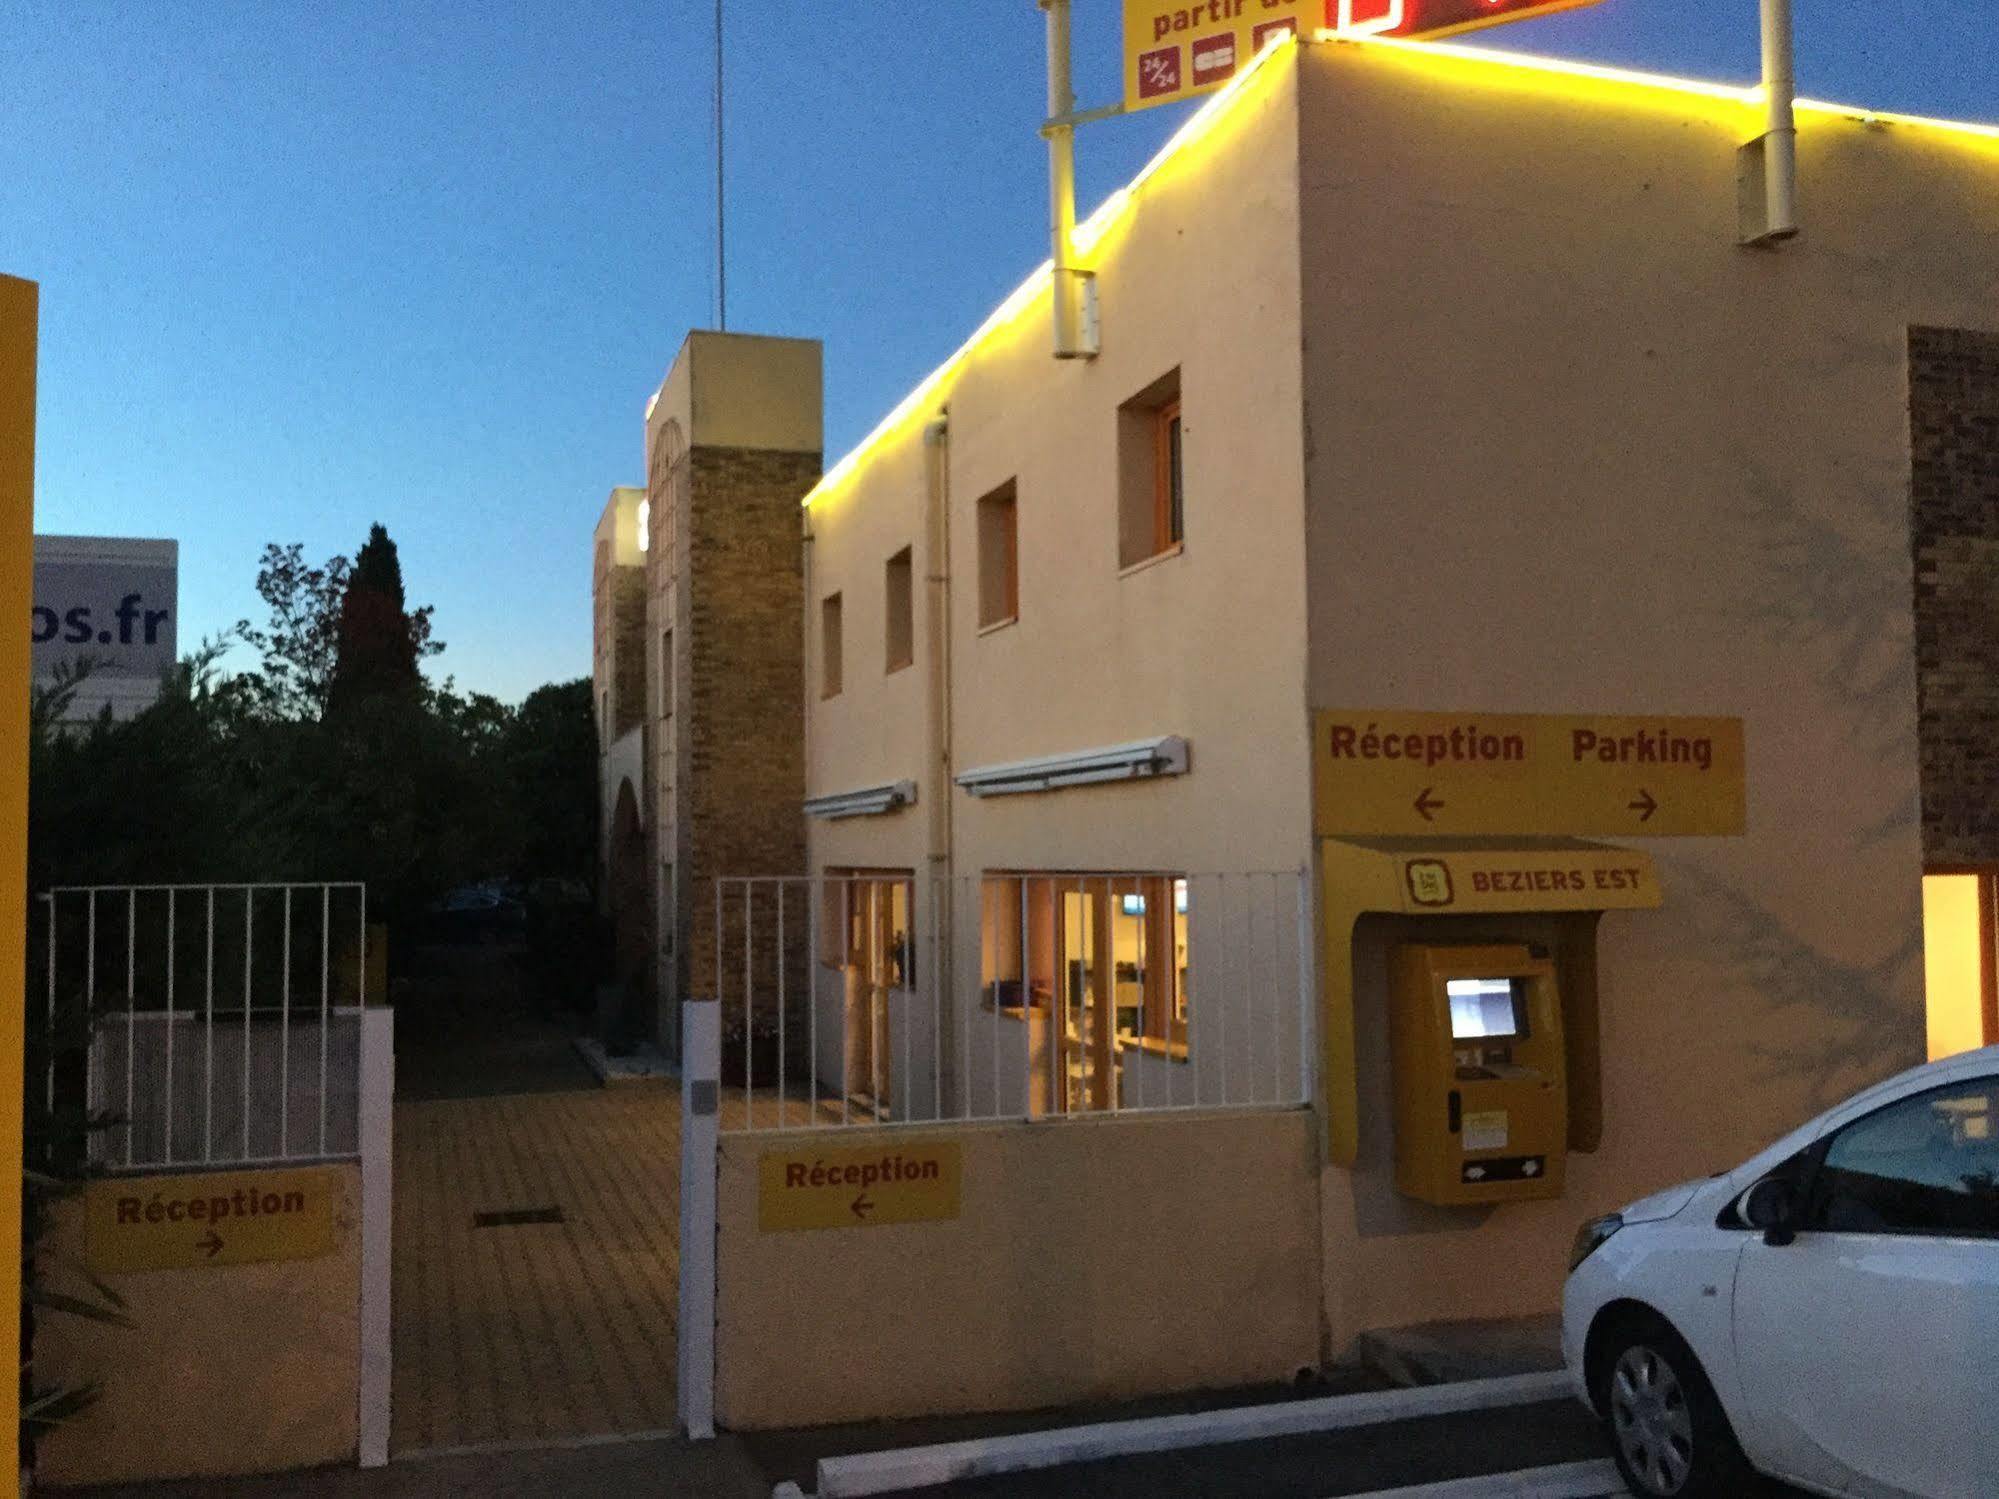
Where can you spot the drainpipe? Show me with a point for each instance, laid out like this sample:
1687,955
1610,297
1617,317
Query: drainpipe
937,789
1770,175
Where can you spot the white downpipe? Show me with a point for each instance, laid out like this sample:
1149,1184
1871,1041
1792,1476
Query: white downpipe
700,1104
1780,149
1062,183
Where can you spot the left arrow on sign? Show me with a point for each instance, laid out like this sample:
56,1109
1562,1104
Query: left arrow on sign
861,1206
213,1243
1427,804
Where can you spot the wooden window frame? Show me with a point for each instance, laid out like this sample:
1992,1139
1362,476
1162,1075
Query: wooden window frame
1169,490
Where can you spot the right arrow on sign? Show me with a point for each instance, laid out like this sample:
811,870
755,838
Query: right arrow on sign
1428,804
1645,806
213,1243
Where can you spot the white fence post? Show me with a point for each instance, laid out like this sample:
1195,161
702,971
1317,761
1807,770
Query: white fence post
700,1104
377,1143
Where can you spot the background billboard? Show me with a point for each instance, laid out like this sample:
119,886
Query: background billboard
111,602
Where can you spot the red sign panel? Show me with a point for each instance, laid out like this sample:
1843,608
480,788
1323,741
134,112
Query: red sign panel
1437,17
1214,58
1158,72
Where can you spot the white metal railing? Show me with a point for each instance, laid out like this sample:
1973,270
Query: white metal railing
882,998
206,1025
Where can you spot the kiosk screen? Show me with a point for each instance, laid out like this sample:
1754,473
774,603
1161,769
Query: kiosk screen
1485,1009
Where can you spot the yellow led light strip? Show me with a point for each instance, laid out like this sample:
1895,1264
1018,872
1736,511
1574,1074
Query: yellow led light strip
1090,233
1604,73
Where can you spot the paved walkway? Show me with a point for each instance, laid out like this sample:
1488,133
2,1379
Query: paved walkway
532,1330
524,1329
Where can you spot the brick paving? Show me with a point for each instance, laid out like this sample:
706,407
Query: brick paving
537,1332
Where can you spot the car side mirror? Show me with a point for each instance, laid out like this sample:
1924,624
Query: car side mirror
1772,1207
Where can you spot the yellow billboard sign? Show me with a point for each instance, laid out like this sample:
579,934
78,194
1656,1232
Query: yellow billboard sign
857,1188
211,1219
1393,773
1175,51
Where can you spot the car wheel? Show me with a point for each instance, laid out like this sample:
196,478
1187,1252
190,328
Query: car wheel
1667,1429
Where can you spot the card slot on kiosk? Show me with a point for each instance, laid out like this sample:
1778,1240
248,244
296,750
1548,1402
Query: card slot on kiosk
1481,1096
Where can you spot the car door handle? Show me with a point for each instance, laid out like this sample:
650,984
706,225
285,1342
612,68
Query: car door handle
1457,1111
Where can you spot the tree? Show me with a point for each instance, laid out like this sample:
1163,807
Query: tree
379,640
299,642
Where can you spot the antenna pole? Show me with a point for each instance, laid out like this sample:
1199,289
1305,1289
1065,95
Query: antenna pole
721,205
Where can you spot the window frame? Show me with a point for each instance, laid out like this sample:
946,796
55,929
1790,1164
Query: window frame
832,645
998,516
1169,489
899,611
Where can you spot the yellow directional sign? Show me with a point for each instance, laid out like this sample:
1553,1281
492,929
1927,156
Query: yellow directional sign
1513,879
215,1218
1175,51
1393,773
858,1187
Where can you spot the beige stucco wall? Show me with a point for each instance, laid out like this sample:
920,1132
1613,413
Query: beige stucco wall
1091,1259
1201,273
242,1369
1573,450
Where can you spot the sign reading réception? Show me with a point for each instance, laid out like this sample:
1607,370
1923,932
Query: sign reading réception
214,1218
1393,773
857,1188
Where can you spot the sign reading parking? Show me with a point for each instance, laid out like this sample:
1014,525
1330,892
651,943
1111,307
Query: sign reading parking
857,1188
210,1219
1395,773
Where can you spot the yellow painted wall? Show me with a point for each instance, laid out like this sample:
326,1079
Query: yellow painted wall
18,316
1093,1259
1201,274
246,1369
1953,981
1573,450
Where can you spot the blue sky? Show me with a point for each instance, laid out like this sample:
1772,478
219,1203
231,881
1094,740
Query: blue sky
305,266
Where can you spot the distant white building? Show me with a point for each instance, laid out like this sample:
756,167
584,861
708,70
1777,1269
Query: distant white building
110,603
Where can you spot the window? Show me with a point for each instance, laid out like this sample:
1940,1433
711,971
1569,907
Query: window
1926,1165
829,646
1098,962
1151,489
999,558
899,589
1961,961
666,673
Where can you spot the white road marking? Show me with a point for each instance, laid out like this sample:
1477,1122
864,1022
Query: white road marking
1597,1480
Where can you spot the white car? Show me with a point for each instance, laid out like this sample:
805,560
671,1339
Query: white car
1826,1314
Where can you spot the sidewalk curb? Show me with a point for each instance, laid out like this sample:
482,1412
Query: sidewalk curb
919,1467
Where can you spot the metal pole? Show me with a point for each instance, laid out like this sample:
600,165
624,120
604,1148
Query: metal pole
1062,180
721,220
1780,152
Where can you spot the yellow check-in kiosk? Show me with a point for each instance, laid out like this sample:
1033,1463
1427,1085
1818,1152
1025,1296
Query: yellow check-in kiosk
1459,1017
1481,1072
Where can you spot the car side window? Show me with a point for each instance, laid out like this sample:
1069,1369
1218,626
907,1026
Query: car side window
1925,1165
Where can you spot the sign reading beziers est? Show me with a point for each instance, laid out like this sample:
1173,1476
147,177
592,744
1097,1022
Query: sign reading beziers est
213,1218
1393,773
857,1188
